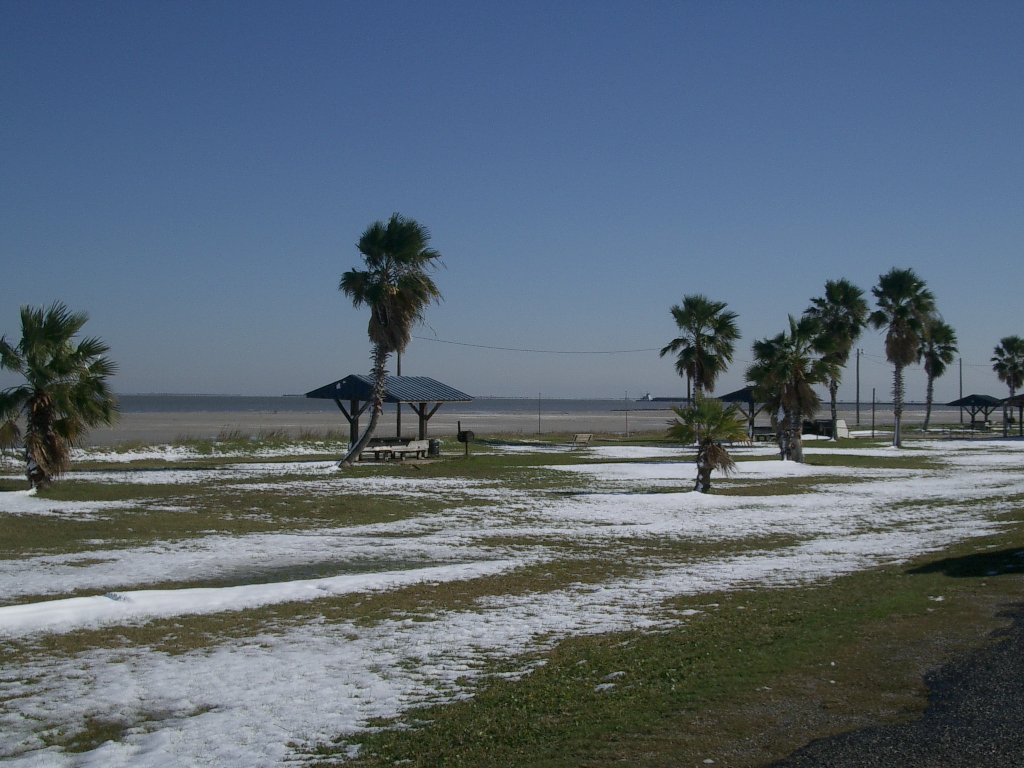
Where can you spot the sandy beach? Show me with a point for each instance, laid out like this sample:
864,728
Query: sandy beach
159,428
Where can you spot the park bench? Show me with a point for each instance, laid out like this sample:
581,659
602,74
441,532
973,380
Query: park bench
581,440
416,448
387,449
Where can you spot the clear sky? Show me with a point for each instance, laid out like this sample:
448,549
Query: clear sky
195,175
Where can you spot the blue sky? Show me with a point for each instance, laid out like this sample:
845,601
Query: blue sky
196,175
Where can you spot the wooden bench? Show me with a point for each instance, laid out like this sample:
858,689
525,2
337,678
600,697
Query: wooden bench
385,450
380,452
417,448
763,435
581,440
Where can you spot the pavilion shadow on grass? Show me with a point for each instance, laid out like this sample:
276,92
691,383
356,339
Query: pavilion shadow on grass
424,395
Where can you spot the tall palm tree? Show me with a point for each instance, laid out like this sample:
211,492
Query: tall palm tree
841,314
704,348
397,287
785,369
65,389
1008,362
937,350
709,423
904,306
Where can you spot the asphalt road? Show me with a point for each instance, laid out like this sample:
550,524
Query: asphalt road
975,717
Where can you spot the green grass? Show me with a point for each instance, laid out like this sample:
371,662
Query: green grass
751,677
747,678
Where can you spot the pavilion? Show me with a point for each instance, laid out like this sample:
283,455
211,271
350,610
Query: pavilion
748,405
1018,402
975,404
424,395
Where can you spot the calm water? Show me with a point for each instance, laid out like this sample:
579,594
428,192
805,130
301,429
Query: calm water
484,405
243,404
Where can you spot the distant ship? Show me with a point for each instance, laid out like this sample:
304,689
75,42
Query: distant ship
648,399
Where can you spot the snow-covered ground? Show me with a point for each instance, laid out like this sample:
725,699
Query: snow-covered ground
245,702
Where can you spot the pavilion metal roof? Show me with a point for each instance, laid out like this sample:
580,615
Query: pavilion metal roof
397,389
745,395
976,401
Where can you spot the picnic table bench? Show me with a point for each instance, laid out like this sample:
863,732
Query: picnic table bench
387,450
581,440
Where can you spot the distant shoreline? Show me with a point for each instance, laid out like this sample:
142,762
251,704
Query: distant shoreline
484,417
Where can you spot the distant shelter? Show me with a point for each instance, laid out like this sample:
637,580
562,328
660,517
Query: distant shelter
421,393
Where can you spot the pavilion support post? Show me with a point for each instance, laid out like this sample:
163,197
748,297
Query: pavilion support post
353,417
421,411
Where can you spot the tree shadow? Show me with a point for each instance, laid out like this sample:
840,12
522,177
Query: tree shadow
995,563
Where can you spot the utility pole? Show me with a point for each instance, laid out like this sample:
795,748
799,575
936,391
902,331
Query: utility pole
858,386
872,413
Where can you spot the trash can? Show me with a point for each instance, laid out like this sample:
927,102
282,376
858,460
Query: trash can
434,447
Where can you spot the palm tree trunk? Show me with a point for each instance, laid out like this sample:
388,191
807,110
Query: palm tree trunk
930,392
796,446
897,404
703,484
380,359
777,428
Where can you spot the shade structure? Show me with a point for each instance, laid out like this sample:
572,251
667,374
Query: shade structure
1017,401
749,406
975,404
423,394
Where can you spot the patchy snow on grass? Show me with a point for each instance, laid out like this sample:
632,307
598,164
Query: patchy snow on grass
172,453
28,503
248,702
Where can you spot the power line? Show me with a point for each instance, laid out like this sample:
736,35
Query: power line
538,351
866,356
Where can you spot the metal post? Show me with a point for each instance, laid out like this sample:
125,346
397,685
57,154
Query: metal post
872,413
398,406
627,413
961,389
538,413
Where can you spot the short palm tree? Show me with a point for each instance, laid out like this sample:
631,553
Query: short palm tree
841,314
785,370
938,349
397,287
710,424
904,306
65,389
704,348
1008,362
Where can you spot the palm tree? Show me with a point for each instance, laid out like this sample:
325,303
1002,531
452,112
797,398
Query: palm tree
904,306
841,314
705,346
937,350
396,286
709,423
65,389
785,369
1008,362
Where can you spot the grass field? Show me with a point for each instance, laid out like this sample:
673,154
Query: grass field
244,603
